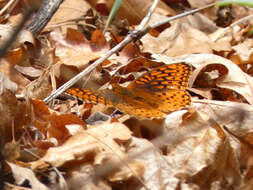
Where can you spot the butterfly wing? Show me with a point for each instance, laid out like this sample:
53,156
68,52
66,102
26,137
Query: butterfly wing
159,92
157,105
88,96
166,77
153,95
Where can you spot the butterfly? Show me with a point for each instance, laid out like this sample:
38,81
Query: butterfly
153,95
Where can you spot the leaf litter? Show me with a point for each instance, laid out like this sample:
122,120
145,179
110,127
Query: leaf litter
207,146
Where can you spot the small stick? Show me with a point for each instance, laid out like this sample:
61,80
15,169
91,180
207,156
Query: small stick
146,19
43,16
225,30
7,6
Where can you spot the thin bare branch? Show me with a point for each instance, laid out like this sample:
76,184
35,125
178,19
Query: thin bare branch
8,5
147,17
165,21
43,16
225,30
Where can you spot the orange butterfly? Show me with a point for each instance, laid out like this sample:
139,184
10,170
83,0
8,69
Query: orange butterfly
153,95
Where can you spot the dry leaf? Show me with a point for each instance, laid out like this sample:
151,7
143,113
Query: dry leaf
9,71
58,124
7,84
14,115
131,10
79,54
29,71
179,39
199,152
24,36
236,79
98,142
22,174
68,11
85,171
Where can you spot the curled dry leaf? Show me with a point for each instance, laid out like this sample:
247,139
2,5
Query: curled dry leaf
97,143
24,36
7,84
199,152
29,71
58,124
14,56
235,79
23,175
52,124
12,74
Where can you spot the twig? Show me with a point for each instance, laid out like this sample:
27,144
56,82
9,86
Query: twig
137,34
223,32
71,21
7,6
182,15
44,14
147,17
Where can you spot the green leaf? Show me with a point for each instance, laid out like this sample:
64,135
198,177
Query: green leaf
246,3
250,33
113,12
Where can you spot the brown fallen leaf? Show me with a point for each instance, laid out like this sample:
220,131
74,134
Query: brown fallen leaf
39,88
14,115
68,11
98,143
24,36
13,75
133,11
85,171
179,39
244,50
235,79
199,152
29,71
7,84
58,123
78,52
22,174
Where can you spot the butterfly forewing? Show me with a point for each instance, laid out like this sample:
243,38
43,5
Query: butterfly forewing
174,76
